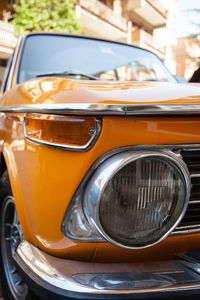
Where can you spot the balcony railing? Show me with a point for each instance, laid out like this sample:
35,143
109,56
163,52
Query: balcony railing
151,43
105,13
146,13
159,7
7,37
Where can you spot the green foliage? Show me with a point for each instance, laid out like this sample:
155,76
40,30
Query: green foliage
45,15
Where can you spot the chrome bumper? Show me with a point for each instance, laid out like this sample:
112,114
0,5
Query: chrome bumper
86,280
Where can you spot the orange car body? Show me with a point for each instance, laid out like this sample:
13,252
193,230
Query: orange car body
41,175
44,179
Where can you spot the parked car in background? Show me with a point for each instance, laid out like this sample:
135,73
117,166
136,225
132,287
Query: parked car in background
99,168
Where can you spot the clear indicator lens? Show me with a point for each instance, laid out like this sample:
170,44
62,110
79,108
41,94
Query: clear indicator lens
142,201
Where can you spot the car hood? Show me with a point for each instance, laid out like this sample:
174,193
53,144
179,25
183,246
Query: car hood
59,90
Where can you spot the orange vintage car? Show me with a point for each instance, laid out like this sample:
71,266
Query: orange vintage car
100,173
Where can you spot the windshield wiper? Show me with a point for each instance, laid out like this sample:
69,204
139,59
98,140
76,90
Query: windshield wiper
68,73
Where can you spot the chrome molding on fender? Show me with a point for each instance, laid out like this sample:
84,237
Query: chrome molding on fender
106,109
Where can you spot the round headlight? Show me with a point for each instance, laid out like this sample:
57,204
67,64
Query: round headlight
135,199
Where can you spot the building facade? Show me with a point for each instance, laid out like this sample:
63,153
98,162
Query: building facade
145,23
187,56
8,40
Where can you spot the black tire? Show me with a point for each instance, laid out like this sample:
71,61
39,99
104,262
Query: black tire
12,285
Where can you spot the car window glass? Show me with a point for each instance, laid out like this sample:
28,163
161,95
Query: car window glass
106,60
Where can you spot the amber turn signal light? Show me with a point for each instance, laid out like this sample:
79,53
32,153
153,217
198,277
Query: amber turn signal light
70,132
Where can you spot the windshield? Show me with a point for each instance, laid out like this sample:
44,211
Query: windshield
77,57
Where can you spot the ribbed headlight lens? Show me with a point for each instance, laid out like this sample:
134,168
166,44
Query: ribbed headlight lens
139,197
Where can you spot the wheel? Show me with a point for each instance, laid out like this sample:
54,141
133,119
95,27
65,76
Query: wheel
13,286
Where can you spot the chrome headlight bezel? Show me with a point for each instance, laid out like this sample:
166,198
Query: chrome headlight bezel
89,214
97,184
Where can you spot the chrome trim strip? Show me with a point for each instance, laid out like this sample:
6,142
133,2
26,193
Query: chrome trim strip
192,226
69,108
16,53
195,175
106,109
103,280
163,109
194,202
185,231
85,147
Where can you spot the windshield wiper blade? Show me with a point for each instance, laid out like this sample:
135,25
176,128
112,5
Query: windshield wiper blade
68,73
